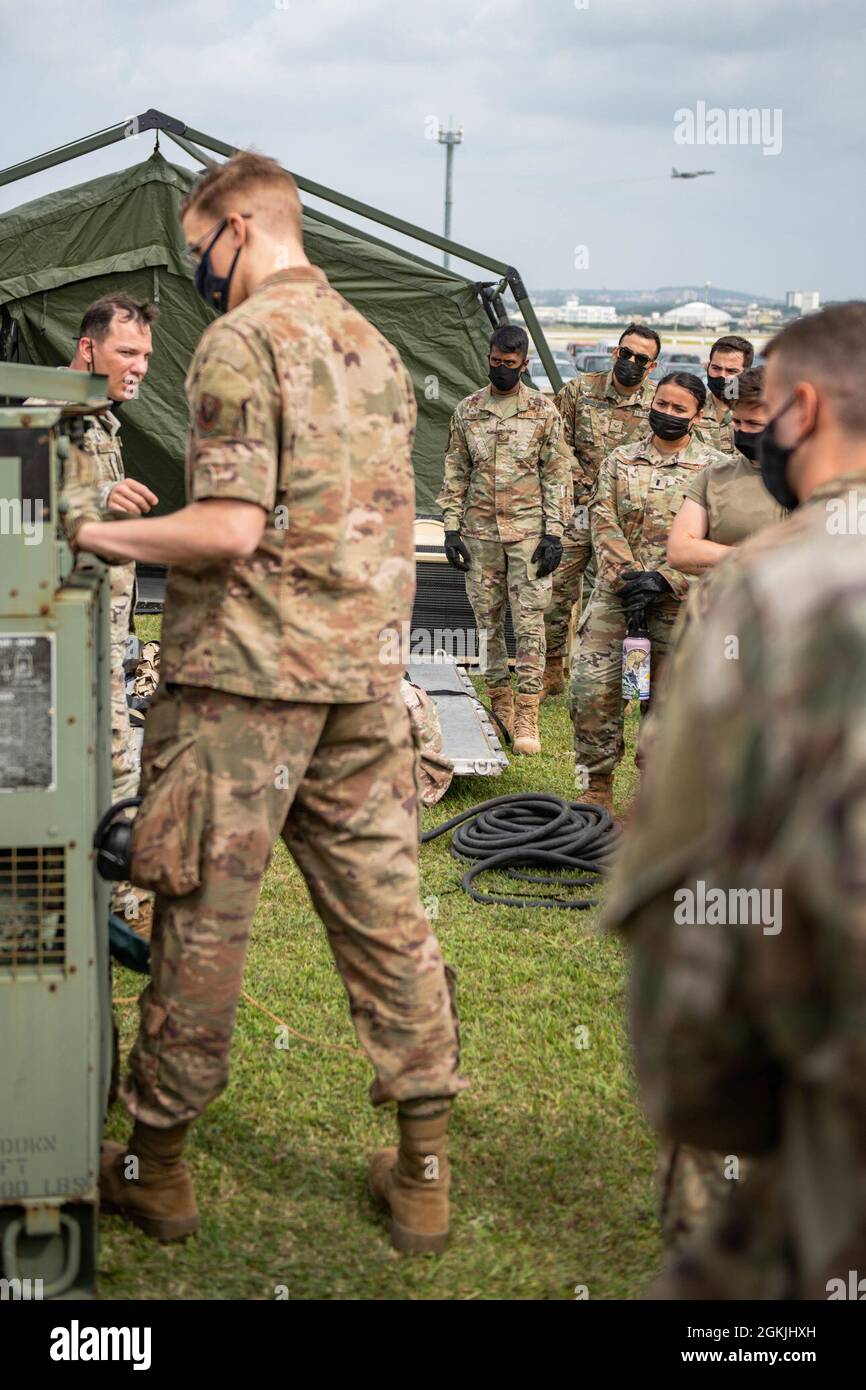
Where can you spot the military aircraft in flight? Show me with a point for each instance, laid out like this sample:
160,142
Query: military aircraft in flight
690,174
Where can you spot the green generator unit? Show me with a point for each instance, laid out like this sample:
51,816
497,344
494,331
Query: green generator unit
55,784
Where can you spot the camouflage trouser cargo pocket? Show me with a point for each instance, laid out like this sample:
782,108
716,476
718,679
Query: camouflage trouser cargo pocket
167,838
149,1045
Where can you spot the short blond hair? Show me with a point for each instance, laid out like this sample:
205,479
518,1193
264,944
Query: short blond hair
250,178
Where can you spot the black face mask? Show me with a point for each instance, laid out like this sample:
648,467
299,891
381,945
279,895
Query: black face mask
214,289
774,459
668,427
627,373
748,443
722,387
504,378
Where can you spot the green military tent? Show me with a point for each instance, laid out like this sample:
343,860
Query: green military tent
120,232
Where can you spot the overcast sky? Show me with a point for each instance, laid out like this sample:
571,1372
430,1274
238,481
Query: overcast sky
568,109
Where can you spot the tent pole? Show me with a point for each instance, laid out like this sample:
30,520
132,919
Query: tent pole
189,147
65,152
518,289
123,130
326,217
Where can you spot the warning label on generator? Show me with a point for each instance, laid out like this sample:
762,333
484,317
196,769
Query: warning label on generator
27,743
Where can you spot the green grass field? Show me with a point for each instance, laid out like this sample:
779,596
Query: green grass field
552,1160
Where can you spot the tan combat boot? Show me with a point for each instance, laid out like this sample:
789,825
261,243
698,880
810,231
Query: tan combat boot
412,1181
600,790
554,682
502,704
160,1200
526,738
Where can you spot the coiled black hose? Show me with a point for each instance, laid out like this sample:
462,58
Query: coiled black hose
511,832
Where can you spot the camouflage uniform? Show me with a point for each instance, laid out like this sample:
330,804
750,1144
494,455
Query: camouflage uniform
102,441
746,1040
638,493
715,425
737,505
278,713
596,419
692,1181
507,483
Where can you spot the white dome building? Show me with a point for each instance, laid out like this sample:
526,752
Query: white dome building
696,314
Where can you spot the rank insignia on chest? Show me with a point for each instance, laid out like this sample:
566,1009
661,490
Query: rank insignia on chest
208,413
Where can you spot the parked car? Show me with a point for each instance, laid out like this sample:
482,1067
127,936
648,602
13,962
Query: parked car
565,363
594,362
678,362
539,376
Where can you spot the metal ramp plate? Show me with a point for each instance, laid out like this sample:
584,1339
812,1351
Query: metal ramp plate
468,737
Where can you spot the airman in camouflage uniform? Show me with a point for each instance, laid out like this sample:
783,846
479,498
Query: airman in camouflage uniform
114,340
102,441
729,357
505,498
598,414
639,490
716,426
748,1036
279,713
507,483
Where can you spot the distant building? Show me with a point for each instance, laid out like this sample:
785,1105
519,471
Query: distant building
807,301
590,313
573,312
696,314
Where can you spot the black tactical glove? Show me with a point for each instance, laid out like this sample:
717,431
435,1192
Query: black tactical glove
642,587
636,621
547,555
455,551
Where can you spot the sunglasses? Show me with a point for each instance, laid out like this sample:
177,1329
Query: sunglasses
640,358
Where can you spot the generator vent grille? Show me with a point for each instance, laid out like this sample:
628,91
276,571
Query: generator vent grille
32,909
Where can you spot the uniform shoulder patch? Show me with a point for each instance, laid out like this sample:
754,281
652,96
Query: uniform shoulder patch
207,412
